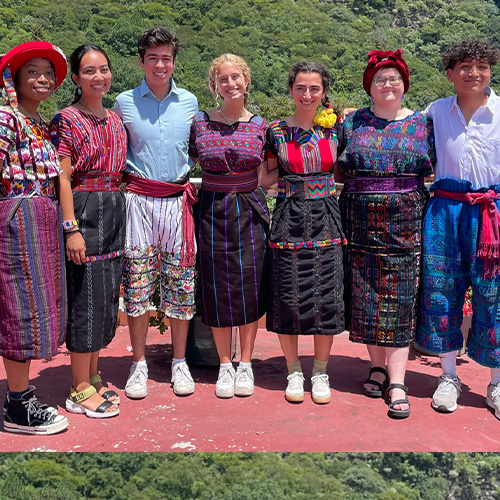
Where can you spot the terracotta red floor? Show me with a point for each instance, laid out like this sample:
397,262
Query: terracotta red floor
264,421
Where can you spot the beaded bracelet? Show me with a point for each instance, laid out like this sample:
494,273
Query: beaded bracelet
69,224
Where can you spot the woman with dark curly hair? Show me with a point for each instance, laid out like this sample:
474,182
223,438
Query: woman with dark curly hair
305,279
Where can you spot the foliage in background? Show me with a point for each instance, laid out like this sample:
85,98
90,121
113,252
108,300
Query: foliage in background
249,476
269,34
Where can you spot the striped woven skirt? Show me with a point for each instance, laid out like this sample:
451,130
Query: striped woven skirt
383,265
94,287
231,236
32,278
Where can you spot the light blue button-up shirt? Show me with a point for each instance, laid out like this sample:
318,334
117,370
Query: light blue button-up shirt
158,131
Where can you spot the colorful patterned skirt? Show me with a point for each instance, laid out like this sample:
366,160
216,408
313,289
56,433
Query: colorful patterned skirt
383,265
231,237
305,292
94,287
32,278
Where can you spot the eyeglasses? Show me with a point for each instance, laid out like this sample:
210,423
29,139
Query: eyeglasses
394,81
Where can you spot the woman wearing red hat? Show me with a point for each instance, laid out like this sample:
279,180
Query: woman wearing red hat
388,149
32,276
92,145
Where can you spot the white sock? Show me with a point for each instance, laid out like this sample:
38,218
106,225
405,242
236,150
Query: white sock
449,362
177,360
140,363
245,364
495,375
226,365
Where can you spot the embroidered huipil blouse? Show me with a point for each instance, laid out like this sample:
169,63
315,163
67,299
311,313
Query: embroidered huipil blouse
30,161
92,143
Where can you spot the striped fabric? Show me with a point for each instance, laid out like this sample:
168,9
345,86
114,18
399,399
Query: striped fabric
303,151
96,181
450,265
92,143
231,235
383,228
305,274
238,182
97,149
231,226
32,278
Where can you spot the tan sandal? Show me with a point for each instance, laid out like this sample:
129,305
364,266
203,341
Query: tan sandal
73,404
110,393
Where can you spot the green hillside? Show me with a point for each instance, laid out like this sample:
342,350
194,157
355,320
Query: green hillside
269,34
249,476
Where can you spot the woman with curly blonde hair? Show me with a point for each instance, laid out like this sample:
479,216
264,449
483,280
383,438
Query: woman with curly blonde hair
232,219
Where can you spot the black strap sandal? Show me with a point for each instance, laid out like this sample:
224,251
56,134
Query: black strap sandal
393,412
377,393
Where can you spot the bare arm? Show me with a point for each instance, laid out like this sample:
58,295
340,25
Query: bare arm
75,244
339,174
268,173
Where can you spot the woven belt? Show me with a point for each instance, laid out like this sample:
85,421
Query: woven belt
307,187
382,185
96,181
240,182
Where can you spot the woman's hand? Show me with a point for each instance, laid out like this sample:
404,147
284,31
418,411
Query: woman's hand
75,247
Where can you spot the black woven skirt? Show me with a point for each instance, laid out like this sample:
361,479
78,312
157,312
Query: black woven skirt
305,286
231,236
94,287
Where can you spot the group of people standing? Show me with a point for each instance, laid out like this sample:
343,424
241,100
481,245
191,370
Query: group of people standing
108,192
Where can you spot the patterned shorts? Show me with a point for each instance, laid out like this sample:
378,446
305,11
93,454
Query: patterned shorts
154,232
450,266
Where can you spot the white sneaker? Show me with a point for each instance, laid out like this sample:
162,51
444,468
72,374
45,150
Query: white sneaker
137,382
243,382
320,388
447,393
295,388
181,379
224,388
493,398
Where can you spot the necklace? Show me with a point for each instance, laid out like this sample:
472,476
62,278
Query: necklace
103,110
37,118
230,121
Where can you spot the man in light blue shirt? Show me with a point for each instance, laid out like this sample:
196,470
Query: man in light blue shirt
157,116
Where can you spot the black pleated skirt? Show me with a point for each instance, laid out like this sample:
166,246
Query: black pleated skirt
305,289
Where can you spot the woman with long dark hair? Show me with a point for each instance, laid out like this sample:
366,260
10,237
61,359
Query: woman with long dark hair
92,146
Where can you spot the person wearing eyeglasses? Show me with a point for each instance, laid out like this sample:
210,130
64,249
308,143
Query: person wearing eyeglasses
387,150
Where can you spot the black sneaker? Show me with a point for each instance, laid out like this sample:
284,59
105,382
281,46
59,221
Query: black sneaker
27,415
50,409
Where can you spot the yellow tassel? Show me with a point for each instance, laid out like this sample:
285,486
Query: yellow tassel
326,119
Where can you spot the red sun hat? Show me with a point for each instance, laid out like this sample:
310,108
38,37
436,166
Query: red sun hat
17,56
379,59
